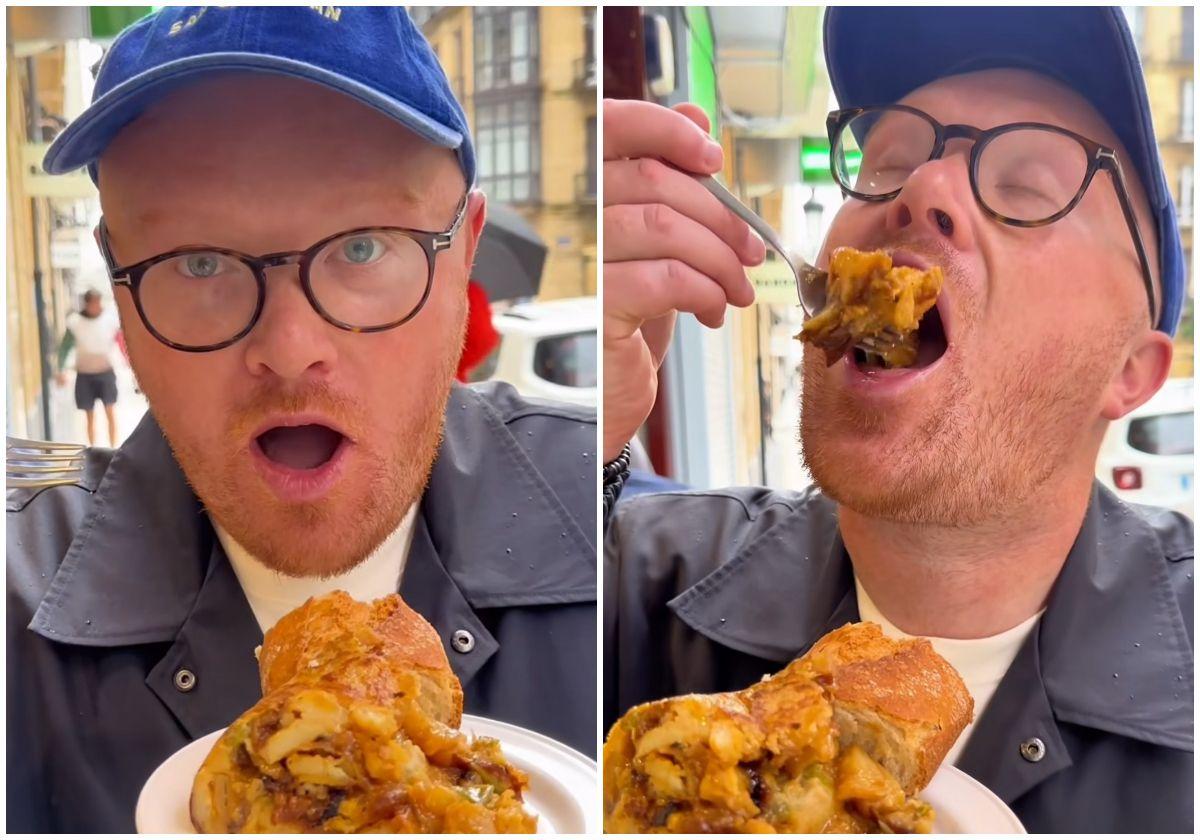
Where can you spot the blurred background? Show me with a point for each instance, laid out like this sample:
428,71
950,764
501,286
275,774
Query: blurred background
727,412
527,79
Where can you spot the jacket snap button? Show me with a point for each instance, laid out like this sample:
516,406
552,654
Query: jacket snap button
463,641
1033,750
185,680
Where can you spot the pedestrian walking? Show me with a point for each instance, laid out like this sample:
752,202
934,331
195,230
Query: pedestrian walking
93,333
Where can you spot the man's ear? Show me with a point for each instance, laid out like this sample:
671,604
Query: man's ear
473,225
1146,368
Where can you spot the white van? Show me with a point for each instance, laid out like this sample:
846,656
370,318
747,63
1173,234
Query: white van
1147,456
547,349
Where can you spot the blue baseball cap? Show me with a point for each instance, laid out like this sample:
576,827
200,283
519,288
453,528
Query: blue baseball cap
374,54
880,54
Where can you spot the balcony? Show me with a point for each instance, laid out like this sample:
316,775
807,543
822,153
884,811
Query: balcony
585,187
584,73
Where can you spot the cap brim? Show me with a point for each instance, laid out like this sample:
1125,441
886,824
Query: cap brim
83,141
877,55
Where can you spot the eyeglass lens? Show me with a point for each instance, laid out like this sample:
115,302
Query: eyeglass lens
365,280
1025,174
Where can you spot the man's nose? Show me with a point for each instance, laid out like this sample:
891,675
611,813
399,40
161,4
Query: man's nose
291,340
935,200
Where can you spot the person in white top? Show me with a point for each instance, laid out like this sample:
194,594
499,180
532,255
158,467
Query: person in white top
93,333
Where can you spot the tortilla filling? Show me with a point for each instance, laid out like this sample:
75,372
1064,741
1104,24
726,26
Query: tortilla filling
872,301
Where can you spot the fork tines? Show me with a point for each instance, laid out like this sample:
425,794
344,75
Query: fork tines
41,463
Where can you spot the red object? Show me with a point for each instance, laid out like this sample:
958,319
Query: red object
121,345
1127,478
482,337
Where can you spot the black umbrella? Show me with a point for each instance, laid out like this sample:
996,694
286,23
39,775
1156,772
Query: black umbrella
511,255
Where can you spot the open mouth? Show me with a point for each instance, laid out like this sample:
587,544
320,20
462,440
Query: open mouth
931,346
307,447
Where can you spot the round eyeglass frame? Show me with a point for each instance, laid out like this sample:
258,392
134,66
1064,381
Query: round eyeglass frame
1098,156
130,276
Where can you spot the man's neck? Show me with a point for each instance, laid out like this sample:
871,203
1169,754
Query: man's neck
968,582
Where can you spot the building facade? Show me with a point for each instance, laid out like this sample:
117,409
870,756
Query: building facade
526,77
1164,37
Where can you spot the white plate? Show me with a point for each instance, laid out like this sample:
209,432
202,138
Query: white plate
964,806
564,788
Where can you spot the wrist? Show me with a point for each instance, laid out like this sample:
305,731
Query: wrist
614,474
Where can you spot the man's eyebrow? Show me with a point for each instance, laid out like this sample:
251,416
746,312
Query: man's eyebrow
405,199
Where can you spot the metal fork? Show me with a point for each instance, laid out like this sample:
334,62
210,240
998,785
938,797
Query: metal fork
812,284
41,463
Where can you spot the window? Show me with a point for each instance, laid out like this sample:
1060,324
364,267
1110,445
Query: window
589,174
507,108
1136,17
1163,434
508,145
589,43
1187,113
506,48
568,360
1186,191
1185,34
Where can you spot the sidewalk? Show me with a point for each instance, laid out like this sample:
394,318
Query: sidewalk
68,422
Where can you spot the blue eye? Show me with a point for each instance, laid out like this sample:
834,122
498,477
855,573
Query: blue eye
362,250
201,265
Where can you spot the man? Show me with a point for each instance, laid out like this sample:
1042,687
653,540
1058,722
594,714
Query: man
290,220
957,500
93,334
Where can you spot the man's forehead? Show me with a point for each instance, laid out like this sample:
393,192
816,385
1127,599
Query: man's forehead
258,139
258,126
1010,94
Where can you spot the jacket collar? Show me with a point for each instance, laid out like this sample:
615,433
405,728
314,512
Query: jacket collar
140,557
790,584
776,596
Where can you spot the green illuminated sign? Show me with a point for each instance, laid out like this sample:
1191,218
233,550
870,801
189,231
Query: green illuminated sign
814,160
108,21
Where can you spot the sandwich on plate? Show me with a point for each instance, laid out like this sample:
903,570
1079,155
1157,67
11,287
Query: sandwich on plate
842,740
357,731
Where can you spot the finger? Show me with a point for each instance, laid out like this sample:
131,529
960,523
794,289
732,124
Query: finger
657,335
635,129
696,114
649,181
656,231
639,291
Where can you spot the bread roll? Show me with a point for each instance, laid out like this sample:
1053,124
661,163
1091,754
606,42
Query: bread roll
357,731
839,741
899,700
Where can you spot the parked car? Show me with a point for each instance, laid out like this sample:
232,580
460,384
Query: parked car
547,349
1147,456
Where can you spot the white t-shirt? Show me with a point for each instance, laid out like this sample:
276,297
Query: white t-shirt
273,595
982,663
95,340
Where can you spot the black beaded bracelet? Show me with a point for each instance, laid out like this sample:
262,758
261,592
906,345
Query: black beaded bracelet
615,473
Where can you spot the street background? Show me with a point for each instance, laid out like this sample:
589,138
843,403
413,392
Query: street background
527,79
728,408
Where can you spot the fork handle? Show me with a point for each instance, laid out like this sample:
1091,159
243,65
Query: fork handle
742,212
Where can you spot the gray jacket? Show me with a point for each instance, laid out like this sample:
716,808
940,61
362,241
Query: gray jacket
118,585
709,591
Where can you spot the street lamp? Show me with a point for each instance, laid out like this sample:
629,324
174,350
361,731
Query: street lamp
813,210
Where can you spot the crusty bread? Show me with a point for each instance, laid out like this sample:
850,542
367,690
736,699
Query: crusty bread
368,646
899,701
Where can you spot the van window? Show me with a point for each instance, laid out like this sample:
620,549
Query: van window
1163,434
568,360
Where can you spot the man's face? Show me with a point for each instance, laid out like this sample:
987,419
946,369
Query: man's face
1037,321
306,442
